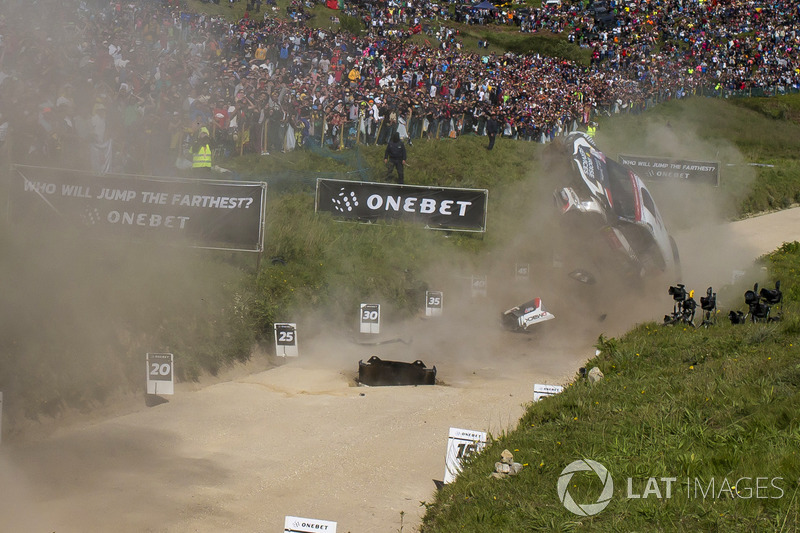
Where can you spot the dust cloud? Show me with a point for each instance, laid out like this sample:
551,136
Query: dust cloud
697,215
80,315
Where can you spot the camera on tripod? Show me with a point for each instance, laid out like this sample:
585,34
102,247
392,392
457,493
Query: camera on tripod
708,304
683,308
759,305
678,292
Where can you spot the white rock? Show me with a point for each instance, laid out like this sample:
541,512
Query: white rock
594,375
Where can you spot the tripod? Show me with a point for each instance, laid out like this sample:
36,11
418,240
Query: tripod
683,308
708,304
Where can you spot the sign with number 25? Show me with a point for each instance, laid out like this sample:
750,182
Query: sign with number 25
286,339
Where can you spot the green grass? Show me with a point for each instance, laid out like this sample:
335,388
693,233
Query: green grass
334,265
727,131
693,404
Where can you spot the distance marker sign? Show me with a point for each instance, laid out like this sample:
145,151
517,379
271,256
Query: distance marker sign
522,271
478,286
160,375
286,339
434,302
460,444
370,318
295,524
542,391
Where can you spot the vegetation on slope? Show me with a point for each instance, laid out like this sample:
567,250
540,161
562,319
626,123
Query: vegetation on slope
713,408
211,317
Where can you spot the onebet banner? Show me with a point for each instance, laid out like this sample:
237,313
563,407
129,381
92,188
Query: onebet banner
225,215
433,207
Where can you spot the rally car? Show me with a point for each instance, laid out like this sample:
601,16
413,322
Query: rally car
522,317
607,203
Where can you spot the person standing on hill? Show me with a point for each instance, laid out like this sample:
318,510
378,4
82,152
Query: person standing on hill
395,157
492,127
201,153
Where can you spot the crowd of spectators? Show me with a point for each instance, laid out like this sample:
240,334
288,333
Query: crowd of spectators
118,86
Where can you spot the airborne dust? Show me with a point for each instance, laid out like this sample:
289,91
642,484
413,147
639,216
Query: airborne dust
73,309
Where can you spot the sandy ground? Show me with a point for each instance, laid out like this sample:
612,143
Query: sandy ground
300,439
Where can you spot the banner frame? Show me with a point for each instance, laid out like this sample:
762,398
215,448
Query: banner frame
408,186
13,169
638,172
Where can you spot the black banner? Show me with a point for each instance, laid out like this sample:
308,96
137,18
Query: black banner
663,167
203,213
435,207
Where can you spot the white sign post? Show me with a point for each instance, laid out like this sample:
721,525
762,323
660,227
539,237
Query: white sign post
736,275
370,318
522,271
285,339
295,524
160,375
478,286
434,301
460,444
542,391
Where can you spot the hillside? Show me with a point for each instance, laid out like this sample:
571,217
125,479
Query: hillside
326,267
694,426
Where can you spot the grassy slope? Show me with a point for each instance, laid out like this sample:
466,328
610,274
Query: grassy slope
686,403
692,404
510,173
735,132
334,265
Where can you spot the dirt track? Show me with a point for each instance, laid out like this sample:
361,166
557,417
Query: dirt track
301,440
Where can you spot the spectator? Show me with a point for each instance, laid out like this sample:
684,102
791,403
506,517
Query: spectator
492,128
201,153
395,157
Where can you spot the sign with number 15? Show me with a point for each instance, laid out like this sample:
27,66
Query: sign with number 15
460,444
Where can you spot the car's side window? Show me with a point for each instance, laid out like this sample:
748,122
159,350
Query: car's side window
648,202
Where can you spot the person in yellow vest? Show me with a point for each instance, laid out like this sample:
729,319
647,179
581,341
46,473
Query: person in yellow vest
261,53
354,76
201,153
591,129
